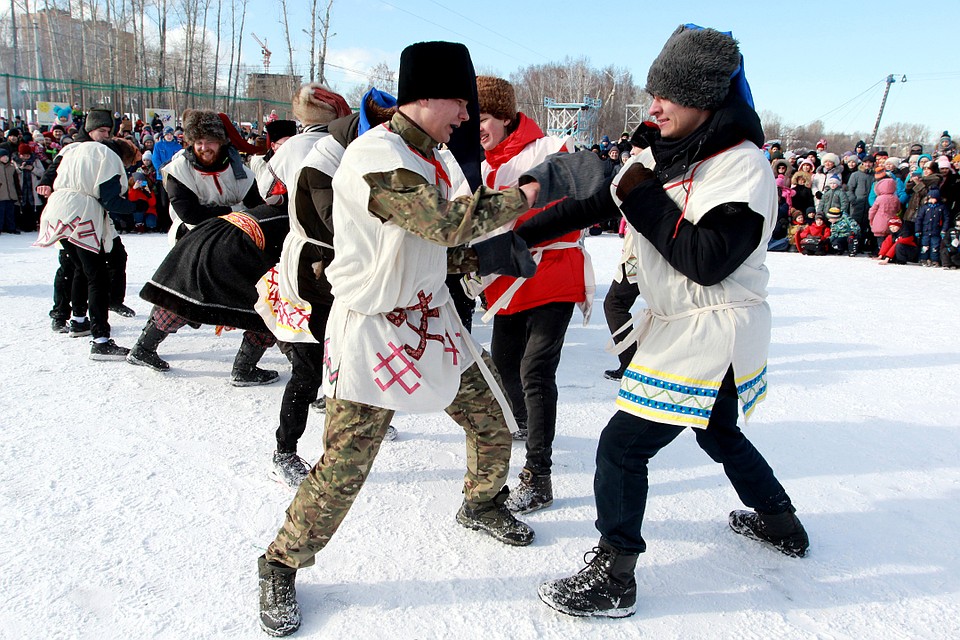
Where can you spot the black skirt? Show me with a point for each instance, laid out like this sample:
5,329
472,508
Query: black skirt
210,276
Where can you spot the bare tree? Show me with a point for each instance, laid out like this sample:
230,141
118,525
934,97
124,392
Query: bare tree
324,37
286,34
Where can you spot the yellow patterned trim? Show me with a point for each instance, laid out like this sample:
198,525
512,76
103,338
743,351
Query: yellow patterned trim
671,376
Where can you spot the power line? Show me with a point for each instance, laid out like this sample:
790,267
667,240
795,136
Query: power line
493,31
845,103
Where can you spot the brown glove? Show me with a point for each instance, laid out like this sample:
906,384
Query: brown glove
632,178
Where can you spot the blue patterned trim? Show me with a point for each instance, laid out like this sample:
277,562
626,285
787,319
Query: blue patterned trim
665,406
757,379
670,386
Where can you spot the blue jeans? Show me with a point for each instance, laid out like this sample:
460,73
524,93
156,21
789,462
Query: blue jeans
628,442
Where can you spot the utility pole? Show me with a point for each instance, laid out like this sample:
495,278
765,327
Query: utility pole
883,103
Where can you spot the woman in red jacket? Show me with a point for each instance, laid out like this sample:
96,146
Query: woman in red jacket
531,316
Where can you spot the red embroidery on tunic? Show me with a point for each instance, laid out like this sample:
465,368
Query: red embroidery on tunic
399,316
396,375
453,347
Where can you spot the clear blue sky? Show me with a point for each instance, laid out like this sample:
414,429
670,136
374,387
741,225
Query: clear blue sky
804,61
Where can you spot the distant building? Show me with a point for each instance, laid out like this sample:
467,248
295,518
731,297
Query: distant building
276,87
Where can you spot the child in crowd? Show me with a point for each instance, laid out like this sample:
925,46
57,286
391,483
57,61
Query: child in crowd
932,222
814,239
899,246
798,223
844,232
803,195
833,197
884,209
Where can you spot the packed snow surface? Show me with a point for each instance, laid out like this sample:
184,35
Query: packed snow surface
134,503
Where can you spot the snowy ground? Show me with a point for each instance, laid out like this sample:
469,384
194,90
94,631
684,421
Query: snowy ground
134,504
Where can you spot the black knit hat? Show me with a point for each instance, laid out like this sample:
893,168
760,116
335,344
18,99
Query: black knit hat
694,68
97,118
435,70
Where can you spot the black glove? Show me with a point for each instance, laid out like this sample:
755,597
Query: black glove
141,206
575,175
632,178
505,255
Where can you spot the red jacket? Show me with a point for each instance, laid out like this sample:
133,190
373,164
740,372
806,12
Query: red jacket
812,230
559,276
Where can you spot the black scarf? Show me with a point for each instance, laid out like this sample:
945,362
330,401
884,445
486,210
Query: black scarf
733,122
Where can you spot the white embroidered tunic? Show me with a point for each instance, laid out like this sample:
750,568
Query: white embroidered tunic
691,334
394,339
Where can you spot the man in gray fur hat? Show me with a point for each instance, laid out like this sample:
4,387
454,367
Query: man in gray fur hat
703,201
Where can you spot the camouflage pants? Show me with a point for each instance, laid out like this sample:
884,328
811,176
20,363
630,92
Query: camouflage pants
352,438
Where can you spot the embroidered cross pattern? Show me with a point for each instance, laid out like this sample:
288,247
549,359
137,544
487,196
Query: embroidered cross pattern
452,348
332,375
400,316
396,375
287,314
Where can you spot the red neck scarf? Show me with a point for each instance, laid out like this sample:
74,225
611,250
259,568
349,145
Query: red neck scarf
526,132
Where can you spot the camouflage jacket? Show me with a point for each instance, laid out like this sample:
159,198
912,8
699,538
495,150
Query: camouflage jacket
410,202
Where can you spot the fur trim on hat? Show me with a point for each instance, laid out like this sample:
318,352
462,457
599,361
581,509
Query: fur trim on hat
313,103
497,98
201,123
694,68
831,157
97,118
438,70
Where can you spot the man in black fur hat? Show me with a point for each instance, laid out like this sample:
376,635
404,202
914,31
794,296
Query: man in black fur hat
703,202
399,203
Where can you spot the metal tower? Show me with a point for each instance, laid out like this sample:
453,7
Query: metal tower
577,119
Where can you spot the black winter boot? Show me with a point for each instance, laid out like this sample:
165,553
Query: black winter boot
493,517
279,611
245,372
534,492
144,353
783,531
606,587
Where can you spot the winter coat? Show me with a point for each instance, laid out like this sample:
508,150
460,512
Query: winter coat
834,198
163,152
819,183
9,182
918,194
858,187
885,207
821,232
845,227
900,190
802,197
902,246
932,219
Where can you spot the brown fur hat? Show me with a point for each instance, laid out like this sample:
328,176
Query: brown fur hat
313,103
497,98
201,123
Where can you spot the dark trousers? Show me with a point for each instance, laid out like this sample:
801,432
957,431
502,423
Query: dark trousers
628,442
526,349
70,284
306,378
8,220
94,267
616,310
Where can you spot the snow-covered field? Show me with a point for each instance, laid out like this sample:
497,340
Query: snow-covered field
134,504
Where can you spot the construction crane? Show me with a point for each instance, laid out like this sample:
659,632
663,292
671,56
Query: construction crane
265,51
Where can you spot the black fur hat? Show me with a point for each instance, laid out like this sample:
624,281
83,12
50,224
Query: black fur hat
694,68
200,123
97,118
435,70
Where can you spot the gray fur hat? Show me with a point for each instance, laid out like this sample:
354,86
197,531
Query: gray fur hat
694,68
201,123
97,118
